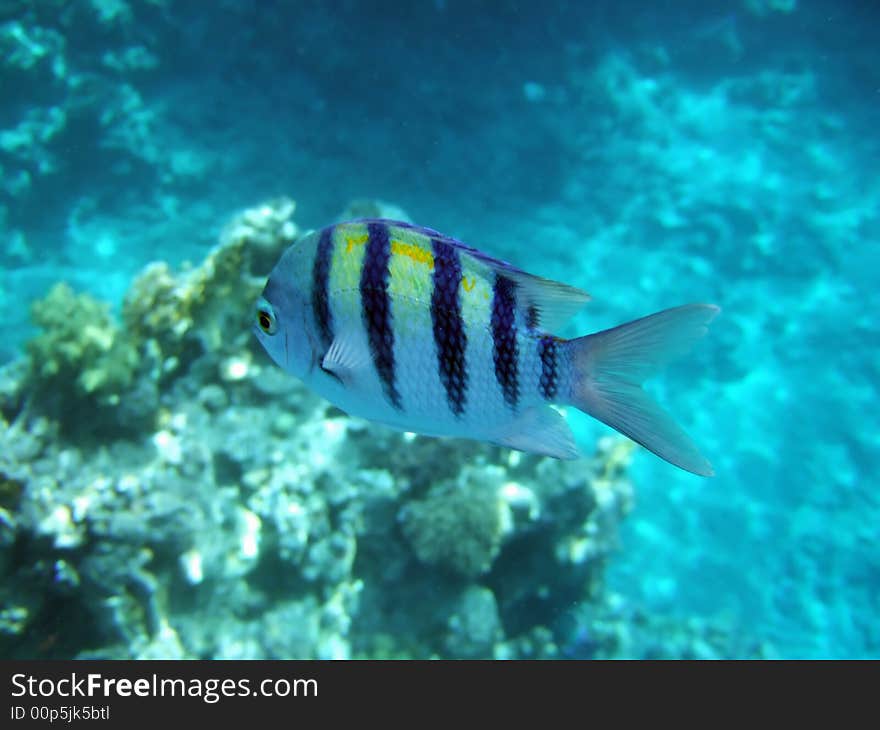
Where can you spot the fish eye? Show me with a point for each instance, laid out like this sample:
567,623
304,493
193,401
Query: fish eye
266,321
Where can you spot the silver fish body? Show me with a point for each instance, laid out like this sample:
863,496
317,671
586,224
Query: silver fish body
402,325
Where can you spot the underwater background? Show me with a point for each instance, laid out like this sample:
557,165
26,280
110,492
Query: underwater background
166,491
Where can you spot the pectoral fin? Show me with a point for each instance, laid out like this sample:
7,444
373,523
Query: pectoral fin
347,357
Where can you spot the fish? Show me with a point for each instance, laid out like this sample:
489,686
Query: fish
405,326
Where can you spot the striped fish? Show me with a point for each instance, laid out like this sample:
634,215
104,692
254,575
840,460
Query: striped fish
402,325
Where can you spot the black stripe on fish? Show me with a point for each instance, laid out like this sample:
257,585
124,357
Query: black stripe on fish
376,307
320,294
533,318
449,332
505,351
548,351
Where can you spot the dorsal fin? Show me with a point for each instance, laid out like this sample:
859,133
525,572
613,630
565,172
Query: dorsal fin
551,302
543,302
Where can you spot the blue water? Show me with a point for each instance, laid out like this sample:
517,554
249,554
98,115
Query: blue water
650,153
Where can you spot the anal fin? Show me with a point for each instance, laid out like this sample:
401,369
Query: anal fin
540,430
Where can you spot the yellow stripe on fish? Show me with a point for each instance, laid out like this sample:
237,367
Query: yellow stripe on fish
345,267
411,266
410,282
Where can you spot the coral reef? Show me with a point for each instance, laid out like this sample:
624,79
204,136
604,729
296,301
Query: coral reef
228,534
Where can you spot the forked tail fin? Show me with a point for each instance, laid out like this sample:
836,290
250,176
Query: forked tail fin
609,368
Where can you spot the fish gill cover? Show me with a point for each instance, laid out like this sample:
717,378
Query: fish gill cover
169,492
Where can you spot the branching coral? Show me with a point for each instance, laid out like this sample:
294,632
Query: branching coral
81,356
